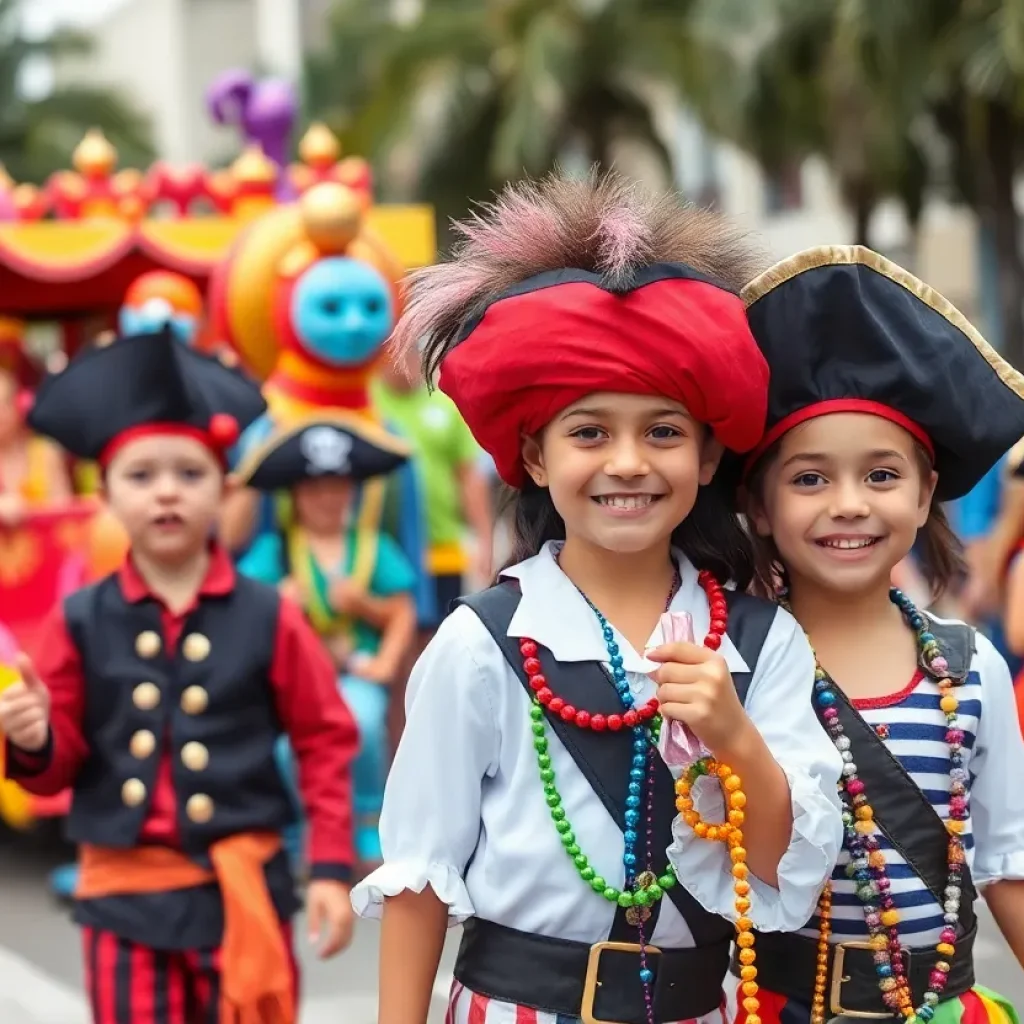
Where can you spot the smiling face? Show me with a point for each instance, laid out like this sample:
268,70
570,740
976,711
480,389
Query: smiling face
167,492
342,311
843,499
622,470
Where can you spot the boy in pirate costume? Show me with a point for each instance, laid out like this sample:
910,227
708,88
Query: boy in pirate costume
159,697
351,577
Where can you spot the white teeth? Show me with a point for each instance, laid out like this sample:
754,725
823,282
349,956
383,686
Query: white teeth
626,501
850,545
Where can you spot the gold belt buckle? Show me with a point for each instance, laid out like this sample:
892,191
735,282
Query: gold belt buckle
839,980
591,983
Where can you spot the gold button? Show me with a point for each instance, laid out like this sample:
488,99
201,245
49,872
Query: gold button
146,696
195,757
194,700
147,644
143,744
199,808
196,647
133,792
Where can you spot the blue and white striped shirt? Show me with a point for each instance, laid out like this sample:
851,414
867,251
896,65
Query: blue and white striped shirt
914,728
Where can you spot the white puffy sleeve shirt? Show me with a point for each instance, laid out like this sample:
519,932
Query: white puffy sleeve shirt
464,810
996,768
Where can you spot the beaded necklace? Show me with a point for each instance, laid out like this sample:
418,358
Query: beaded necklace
644,888
867,861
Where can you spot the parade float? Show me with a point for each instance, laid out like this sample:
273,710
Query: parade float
96,249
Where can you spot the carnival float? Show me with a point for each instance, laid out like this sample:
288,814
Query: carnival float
290,269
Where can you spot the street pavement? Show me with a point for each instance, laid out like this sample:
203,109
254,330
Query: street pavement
41,966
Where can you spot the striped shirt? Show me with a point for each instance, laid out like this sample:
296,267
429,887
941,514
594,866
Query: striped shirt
913,727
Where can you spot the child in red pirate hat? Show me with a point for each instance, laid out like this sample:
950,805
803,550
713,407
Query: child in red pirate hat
593,339
159,698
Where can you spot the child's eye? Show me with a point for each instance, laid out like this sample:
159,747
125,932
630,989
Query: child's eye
882,476
588,434
192,473
808,480
138,476
665,432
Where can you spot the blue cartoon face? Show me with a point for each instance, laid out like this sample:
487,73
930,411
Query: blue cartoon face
341,311
152,316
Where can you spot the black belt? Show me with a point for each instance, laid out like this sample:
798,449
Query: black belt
595,983
788,965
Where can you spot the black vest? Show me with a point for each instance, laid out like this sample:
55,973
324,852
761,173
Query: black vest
208,705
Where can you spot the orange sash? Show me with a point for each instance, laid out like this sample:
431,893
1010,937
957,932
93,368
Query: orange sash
256,982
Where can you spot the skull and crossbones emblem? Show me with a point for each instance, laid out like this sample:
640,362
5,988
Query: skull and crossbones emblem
326,450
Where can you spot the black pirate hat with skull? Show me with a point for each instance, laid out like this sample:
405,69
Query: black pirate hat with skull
336,444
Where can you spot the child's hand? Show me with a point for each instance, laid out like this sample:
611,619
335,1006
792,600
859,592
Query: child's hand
330,914
25,709
347,598
288,588
374,670
340,649
696,687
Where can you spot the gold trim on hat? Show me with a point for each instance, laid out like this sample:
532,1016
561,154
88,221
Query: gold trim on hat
859,255
353,423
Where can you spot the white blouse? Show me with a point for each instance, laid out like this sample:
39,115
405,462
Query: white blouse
464,811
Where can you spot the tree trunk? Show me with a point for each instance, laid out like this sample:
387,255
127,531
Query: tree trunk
860,199
862,211
999,151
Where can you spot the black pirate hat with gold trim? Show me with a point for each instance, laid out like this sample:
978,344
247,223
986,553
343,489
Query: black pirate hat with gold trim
335,444
845,330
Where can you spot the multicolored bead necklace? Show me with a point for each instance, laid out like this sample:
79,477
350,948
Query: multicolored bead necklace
867,861
642,888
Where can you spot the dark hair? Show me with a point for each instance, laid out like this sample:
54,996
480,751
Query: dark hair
941,553
711,536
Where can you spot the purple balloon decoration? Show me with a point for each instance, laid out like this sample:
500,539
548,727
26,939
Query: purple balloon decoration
265,112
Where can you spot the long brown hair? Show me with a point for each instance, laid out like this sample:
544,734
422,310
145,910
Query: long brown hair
942,554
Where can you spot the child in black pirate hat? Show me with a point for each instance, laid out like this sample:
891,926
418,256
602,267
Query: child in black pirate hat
351,578
884,401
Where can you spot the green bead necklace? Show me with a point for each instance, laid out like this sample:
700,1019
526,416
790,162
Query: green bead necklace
647,892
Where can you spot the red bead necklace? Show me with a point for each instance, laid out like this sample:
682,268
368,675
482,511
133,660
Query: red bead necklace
629,719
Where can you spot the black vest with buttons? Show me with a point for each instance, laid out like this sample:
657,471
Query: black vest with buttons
209,704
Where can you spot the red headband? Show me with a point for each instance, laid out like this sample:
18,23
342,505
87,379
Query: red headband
535,353
829,407
221,434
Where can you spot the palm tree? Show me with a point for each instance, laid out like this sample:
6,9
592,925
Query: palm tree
493,89
37,136
833,80
980,110
870,86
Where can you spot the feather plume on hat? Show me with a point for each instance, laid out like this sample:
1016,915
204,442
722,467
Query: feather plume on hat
602,223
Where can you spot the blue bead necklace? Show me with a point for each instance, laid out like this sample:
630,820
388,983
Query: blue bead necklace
641,777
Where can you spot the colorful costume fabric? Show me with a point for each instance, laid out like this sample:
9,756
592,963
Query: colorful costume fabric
442,445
